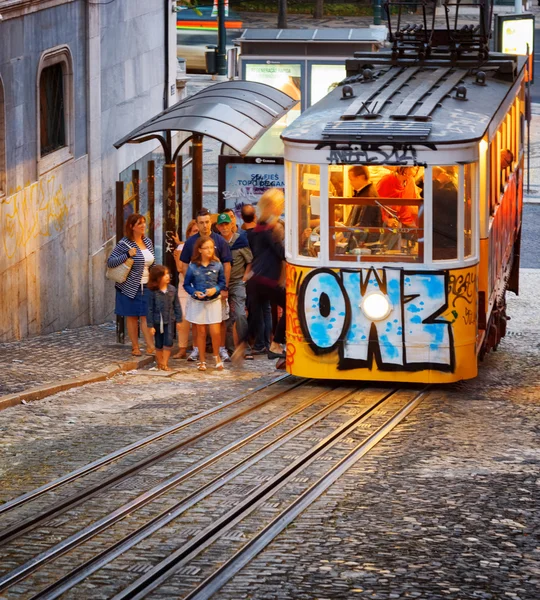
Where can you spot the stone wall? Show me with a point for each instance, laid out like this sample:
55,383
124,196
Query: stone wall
57,224
43,254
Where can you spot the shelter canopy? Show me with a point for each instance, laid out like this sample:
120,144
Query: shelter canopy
236,113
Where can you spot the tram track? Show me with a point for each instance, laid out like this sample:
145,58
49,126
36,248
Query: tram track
105,557
18,528
143,499
245,509
217,484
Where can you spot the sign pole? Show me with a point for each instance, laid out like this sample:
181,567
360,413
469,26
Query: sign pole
221,57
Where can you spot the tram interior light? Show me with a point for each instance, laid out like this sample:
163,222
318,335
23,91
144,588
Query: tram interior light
376,306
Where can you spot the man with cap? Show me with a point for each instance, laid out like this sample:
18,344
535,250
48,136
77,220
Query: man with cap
241,261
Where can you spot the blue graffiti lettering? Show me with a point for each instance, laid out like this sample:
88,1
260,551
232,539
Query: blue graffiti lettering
412,336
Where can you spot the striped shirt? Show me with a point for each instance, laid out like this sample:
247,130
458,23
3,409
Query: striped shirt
119,255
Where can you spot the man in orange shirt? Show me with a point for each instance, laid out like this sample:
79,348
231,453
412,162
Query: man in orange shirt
399,184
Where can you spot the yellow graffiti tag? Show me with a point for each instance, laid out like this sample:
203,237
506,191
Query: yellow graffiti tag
36,210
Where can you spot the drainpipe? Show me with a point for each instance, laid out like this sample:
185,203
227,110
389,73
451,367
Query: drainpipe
166,14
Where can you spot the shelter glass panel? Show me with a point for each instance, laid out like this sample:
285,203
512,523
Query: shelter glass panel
309,210
286,77
376,213
468,199
445,212
324,78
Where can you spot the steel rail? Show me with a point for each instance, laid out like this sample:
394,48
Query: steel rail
163,570
239,560
21,527
100,462
26,569
97,562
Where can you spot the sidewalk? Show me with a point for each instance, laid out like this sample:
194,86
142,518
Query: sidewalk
38,367
255,20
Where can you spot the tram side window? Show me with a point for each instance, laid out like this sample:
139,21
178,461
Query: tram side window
376,213
467,210
309,210
445,212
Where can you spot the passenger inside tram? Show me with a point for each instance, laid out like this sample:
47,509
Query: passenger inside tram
400,183
445,213
362,222
386,228
363,215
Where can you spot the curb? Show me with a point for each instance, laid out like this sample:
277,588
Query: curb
48,389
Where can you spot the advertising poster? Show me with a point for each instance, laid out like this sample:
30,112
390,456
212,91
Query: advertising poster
284,77
324,78
515,35
245,182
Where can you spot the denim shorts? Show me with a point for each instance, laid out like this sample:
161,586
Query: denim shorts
164,339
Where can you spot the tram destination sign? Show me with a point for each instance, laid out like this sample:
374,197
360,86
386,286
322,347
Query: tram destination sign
372,153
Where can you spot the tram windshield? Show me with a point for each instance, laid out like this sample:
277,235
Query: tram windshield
376,213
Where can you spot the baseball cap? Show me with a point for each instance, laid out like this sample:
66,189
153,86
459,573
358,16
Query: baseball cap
223,218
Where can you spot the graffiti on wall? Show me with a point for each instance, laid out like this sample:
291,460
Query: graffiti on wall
37,210
413,336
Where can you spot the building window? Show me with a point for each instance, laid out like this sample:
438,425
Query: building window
55,108
52,109
3,168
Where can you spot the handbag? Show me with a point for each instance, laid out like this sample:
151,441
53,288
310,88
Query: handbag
120,273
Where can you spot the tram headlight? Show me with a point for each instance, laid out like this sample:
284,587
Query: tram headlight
376,306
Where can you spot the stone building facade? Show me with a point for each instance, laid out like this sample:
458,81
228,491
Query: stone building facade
75,76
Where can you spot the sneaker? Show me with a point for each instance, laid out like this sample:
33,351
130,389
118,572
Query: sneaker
224,355
194,356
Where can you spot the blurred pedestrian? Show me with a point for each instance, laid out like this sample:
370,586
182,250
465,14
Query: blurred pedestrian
242,258
267,269
182,329
163,312
204,281
262,314
222,252
132,295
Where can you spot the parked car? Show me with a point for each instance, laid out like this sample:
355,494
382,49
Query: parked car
194,32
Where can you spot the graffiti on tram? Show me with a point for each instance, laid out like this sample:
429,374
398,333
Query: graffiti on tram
412,337
370,153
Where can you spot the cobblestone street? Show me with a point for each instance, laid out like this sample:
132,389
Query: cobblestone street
444,507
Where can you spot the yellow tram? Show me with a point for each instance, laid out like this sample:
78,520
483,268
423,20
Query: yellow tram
404,203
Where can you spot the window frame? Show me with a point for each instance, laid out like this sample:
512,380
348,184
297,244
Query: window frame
323,248
58,55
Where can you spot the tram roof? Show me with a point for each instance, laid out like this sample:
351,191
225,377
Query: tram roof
409,103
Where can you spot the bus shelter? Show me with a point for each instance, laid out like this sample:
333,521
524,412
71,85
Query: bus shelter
236,113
